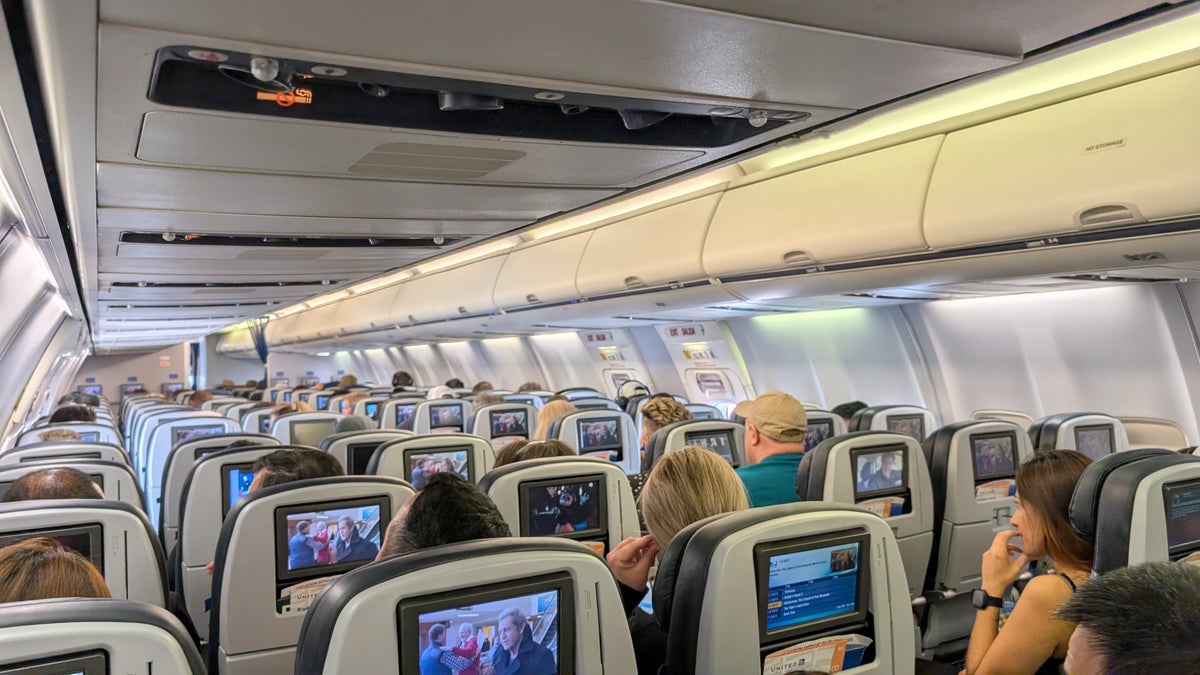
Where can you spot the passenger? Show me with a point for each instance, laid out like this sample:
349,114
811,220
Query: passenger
199,398
775,426
846,410
550,412
350,543
401,380
487,398
1141,620
42,569
482,386
59,434
347,404
684,486
57,483
530,386
73,413
657,412
447,511
455,383
508,453
287,409
354,423
557,397
1032,640
440,391
543,449
344,384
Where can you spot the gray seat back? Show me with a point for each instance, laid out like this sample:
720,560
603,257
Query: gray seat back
63,451
604,432
164,438
116,479
726,439
414,459
305,428
502,423
95,432
353,449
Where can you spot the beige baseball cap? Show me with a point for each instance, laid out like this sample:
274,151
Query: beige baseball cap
776,415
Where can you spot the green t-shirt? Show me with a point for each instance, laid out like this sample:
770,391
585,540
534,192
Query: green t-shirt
773,480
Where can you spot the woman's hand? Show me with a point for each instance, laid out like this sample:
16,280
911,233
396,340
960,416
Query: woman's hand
1000,567
631,560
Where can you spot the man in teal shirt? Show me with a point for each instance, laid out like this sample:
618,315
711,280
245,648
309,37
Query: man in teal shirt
775,426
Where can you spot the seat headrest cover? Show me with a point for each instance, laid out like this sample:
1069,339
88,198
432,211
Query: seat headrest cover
810,476
663,591
1044,432
1085,501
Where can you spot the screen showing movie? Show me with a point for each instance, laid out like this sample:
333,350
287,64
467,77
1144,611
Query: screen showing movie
909,425
89,436
810,583
524,626
372,410
315,540
446,416
878,471
404,413
599,434
93,389
994,455
205,450
235,484
720,442
311,432
817,431
1182,502
358,456
181,434
86,540
509,423
281,381
322,401
274,395
309,381
575,507
131,388
264,424
305,396
80,663
1095,441
287,396
170,388
423,464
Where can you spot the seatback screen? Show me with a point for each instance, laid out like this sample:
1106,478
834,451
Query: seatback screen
235,484
309,381
599,434
93,389
78,663
86,540
372,410
446,416
264,424
170,388
576,507
509,423
1182,502
879,471
423,463
720,442
127,389
321,539
89,436
287,396
358,456
281,381
909,425
323,401
994,455
810,583
311,432
181,434
404,413
817,431
1095,440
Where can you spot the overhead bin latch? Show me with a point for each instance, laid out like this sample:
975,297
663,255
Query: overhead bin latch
797,258
1108,215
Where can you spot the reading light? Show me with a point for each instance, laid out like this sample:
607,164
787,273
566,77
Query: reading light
264,69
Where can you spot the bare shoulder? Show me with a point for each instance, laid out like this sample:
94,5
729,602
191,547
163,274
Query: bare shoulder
1048,591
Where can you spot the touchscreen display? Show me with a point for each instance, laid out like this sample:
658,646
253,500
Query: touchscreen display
181,434
358,456
236,484
574,506
319,539
312,432
86,540
720,442
372,410
807,586
994,455
817,431
442,416
89,436
598,434
1182,501
404,413
1095,441
909,425
511,423
878,470
423,464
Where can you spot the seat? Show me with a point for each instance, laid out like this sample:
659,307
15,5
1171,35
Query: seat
727,439
212,403
526,398
1149,432
256,421
63,451
265,573
175,474
441,416
972,469
1140,506
822,424
235,411
1093,434
1016,417
164,438
501,423
326,401
378,620
305,428
595,403
411,459
905,419
95,432
116,479
732,588
849,469
353,449
600,510
606,433
704,411
370,407
397,412
93,636
139,442
575,393
115,536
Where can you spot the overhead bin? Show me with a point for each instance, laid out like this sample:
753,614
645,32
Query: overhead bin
860,207
1117,157
235,342
364,311
542,272
647,250
444,295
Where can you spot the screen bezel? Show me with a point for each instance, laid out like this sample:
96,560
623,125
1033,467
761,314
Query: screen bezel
350,454
1016,460
1112,438
407,453
434,407
127,389
89,436
688,437
175,440
410,407
492,414
292,424
1169,489
371,409
88,389
169,388
619,448
94,532
763,552
599,533
226,493
855,453
826,424
322,405
72,455
91,662
409,611
887,421
282,574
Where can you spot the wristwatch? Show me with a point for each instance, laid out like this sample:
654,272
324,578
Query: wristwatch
981,600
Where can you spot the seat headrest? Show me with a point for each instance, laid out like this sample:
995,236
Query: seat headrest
810,477
1085,501
663,591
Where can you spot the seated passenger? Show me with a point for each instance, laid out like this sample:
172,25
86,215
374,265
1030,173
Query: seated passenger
447,511
287,408
354,423
41,569
346,405
684,486
344,384
530,386
543,449
546,416
1139,620
775,431
508,453
1027,638
57,483
401,380
847,410
199,398
657,412
73,413
487,398
59,434
482,386
440,391
455,383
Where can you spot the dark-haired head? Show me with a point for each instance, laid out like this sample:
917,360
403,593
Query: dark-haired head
286,466
73,413
447,511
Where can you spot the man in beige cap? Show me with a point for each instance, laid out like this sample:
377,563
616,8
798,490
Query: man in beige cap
775,426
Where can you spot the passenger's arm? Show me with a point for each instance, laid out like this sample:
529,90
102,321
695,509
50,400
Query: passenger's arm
999,572
630,563
1031,635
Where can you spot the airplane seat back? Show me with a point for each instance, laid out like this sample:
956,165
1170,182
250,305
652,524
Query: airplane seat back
1140,506
212,403
414,458
581,498
575,393
502,423
235,411
115,536
116,480
726,439
305,428
274,556
595,403
370,407
704,411
526,398
821,424
733,587
972,469
850,469
1093,434
441,416
94,432
328,401
380,618
353,449
1149,432
165,437
256,421
1016,417
143,435
93,635
910,420
398,412
63,451
608,433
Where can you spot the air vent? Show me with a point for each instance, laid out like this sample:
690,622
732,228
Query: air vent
1119,279
223,284
189,306
271,241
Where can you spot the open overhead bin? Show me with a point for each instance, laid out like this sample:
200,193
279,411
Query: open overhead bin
541,272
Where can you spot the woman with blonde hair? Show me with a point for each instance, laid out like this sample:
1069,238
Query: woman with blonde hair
657,412
550,412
